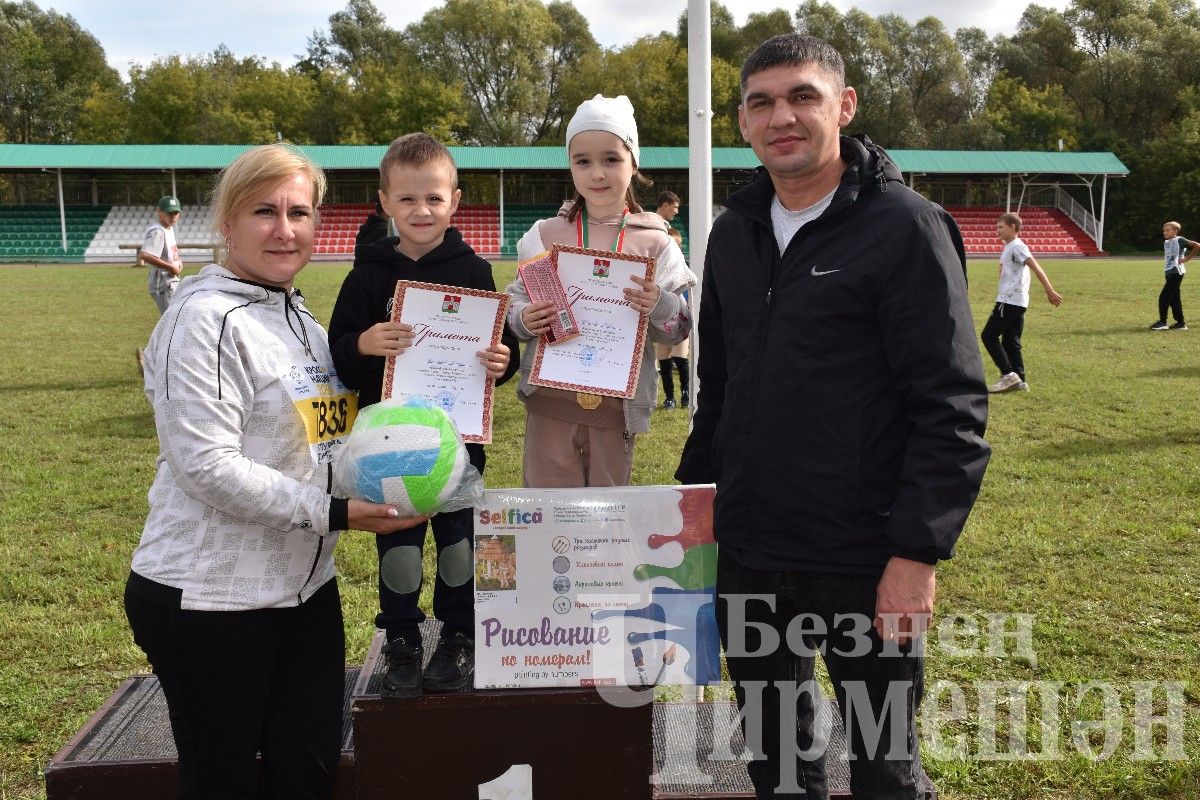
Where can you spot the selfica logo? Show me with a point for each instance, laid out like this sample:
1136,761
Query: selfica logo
510,516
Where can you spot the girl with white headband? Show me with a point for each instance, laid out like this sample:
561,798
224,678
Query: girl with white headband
577,439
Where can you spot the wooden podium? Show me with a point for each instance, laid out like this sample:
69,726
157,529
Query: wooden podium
448,745
571,742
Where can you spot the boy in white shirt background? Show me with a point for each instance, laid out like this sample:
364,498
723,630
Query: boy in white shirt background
1177,251
1002,334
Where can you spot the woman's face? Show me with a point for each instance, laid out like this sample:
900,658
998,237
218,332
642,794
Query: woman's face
601,167
271,235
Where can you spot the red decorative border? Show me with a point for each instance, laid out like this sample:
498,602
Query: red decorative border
497,329
640,343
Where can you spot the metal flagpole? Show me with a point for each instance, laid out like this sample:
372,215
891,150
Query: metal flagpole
62,211
699,164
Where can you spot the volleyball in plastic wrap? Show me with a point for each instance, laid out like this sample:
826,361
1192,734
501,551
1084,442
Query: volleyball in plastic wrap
407,453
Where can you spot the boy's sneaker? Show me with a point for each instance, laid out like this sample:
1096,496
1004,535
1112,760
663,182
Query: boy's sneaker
684,398
1179,326
1159,326
1006,383
452,666
403,678
1022,387
668,404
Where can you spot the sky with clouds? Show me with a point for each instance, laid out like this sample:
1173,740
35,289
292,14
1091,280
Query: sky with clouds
134,33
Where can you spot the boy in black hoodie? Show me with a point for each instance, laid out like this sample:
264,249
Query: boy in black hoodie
419,191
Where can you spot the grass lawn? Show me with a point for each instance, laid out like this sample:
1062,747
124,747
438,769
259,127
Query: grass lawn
1088,523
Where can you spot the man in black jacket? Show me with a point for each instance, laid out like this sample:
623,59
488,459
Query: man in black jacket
841,415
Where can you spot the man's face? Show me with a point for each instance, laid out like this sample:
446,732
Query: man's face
668,211
792,116
167,218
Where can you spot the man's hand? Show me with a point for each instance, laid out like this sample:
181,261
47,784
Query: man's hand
385,339
904,599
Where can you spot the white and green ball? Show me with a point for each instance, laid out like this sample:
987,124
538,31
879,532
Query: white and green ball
404,453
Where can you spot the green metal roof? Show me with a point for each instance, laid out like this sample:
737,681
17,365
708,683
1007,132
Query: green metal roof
367,157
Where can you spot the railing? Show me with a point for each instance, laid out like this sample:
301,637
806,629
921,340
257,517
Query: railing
1077,213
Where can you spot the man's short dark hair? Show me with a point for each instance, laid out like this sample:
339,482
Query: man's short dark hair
667,198
792,49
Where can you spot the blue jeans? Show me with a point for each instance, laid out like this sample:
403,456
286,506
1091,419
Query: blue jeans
884,682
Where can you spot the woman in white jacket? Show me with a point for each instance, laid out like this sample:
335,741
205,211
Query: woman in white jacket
232,594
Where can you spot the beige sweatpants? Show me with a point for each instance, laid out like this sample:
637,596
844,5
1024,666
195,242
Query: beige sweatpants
565,455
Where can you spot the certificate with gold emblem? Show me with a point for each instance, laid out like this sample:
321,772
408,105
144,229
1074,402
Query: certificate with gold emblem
450,325
606,356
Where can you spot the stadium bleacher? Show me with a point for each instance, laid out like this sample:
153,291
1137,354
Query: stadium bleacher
95,233
34,233
1047,231
127,225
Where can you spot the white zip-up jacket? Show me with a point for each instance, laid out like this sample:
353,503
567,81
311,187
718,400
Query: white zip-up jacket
250,414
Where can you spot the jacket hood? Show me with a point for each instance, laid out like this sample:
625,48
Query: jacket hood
384,252
868,168
639,219
216,278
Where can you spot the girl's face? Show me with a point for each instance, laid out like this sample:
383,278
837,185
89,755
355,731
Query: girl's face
601,167
271,237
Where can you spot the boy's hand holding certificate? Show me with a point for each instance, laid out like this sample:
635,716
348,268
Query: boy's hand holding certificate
450,326
607,353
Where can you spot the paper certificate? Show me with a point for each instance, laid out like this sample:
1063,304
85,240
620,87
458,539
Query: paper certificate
451,324
606,356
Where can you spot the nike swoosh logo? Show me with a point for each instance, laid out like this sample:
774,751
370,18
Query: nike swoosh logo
816,273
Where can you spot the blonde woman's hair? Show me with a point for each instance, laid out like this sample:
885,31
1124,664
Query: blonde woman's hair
257,168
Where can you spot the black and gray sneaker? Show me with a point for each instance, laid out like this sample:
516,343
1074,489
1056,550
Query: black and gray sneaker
403,678
1160,325
452,666
1179,326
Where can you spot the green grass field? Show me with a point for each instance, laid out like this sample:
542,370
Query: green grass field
1088,522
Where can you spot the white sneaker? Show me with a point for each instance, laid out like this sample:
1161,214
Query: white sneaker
1022,387
1006,383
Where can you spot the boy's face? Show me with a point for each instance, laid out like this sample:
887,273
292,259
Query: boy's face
421,200
1005,231
1169,232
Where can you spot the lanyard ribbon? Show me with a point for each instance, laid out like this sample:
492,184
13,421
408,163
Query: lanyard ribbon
581,230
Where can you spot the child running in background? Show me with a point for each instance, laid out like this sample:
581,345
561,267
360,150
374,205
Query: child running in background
1002,333
418,189
1177,251
673,356
575,438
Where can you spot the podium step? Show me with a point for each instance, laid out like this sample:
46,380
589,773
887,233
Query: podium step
125,749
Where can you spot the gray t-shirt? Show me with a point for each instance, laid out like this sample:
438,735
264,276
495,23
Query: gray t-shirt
788,223
1172,250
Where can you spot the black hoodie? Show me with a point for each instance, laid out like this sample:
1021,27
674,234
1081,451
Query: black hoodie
366,298
842,405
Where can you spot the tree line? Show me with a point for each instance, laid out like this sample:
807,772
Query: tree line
1119,75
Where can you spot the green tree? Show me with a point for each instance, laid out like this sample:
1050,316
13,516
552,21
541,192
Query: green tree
49,67
506,54
1030,119
218,99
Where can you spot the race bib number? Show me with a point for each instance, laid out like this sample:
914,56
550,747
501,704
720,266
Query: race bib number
327,407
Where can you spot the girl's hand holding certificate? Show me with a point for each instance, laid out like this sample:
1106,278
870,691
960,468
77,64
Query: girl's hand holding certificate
644,298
